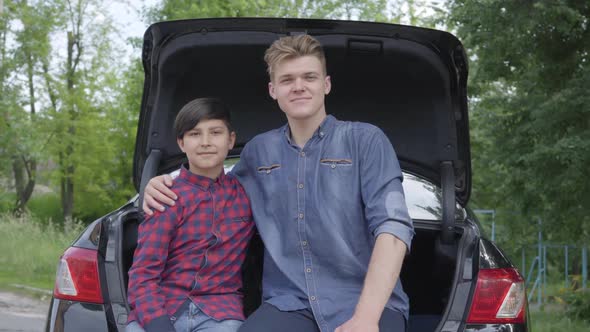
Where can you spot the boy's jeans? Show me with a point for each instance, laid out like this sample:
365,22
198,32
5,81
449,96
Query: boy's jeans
194,320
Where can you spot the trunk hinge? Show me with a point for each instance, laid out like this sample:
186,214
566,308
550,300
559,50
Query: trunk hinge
150,169
448,202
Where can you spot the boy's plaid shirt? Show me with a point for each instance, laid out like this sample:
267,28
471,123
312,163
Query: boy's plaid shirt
194,250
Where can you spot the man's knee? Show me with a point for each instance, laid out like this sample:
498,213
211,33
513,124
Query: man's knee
392,321
268,318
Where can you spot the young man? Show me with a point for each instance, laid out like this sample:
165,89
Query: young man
186,273
329,205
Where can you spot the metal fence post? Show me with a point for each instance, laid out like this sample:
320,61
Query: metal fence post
566,266
523,269
584,266
544,271
541,267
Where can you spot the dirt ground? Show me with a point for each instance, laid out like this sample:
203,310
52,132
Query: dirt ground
22,313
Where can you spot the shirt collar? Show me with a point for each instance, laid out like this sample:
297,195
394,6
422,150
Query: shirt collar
323,130
199,180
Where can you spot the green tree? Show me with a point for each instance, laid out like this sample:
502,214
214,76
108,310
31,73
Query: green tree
25,29
65,101
530,109
368,10
88,142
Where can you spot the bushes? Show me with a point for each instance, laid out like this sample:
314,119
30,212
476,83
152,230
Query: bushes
7,201
46,208
43,207
578,305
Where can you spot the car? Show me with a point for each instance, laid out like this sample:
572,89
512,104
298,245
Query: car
409,81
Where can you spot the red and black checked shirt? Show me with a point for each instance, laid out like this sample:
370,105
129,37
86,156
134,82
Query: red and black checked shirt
194,250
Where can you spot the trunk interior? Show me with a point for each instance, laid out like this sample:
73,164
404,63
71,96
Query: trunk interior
427,275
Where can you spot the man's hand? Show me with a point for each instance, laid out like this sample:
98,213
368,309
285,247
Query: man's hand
358,325
157,193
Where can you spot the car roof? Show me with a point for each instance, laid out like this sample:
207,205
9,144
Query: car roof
409,81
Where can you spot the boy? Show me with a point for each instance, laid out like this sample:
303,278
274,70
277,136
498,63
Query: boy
329,206
186,268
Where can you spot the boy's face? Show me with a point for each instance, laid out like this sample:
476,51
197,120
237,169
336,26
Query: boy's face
206,147
299,85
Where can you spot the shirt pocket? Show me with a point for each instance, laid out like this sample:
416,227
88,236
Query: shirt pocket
235,226
336,163
268,169
336,179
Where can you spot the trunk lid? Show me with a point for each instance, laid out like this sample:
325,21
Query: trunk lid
411,82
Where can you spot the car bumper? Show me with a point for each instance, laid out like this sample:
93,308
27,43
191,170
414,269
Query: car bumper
496,328
70,316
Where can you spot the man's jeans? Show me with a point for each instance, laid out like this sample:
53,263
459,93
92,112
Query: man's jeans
194,320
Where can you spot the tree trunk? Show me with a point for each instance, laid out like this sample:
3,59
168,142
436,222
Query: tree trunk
24,184
68,169
22,162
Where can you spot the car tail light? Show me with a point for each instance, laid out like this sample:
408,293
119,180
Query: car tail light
499,297
77,276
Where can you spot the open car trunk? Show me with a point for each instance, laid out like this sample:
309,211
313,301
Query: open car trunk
410,82
427,276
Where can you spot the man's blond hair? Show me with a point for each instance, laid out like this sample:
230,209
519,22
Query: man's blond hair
292,47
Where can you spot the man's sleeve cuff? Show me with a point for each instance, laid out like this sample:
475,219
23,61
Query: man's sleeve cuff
402,232
160,324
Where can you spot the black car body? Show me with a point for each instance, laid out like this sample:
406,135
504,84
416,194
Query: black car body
411,82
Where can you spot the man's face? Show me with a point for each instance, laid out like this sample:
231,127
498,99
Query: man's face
206,146
299,85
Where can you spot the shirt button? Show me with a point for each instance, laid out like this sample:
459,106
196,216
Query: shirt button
321,134
302,153
268,171
333,166
301,216
308,270
300,186
312,298
304,243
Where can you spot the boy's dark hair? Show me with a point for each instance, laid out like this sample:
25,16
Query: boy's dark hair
201,109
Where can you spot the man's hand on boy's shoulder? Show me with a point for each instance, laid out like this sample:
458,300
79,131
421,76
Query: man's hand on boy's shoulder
157,192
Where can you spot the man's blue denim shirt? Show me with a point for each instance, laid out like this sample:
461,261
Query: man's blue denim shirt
319,210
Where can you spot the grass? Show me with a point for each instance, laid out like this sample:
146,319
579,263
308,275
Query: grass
30,251
554,320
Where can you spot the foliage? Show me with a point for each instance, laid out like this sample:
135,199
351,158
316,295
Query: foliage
400,11
578,305
6,202
530,112
46,208
24,37
67,105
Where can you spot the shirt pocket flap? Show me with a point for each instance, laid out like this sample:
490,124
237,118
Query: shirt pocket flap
336,162
268,169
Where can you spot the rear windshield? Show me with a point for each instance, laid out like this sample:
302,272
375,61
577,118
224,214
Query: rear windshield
424,199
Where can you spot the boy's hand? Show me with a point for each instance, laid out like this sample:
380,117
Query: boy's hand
157,192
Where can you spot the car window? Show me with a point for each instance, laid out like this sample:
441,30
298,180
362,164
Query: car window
423,198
